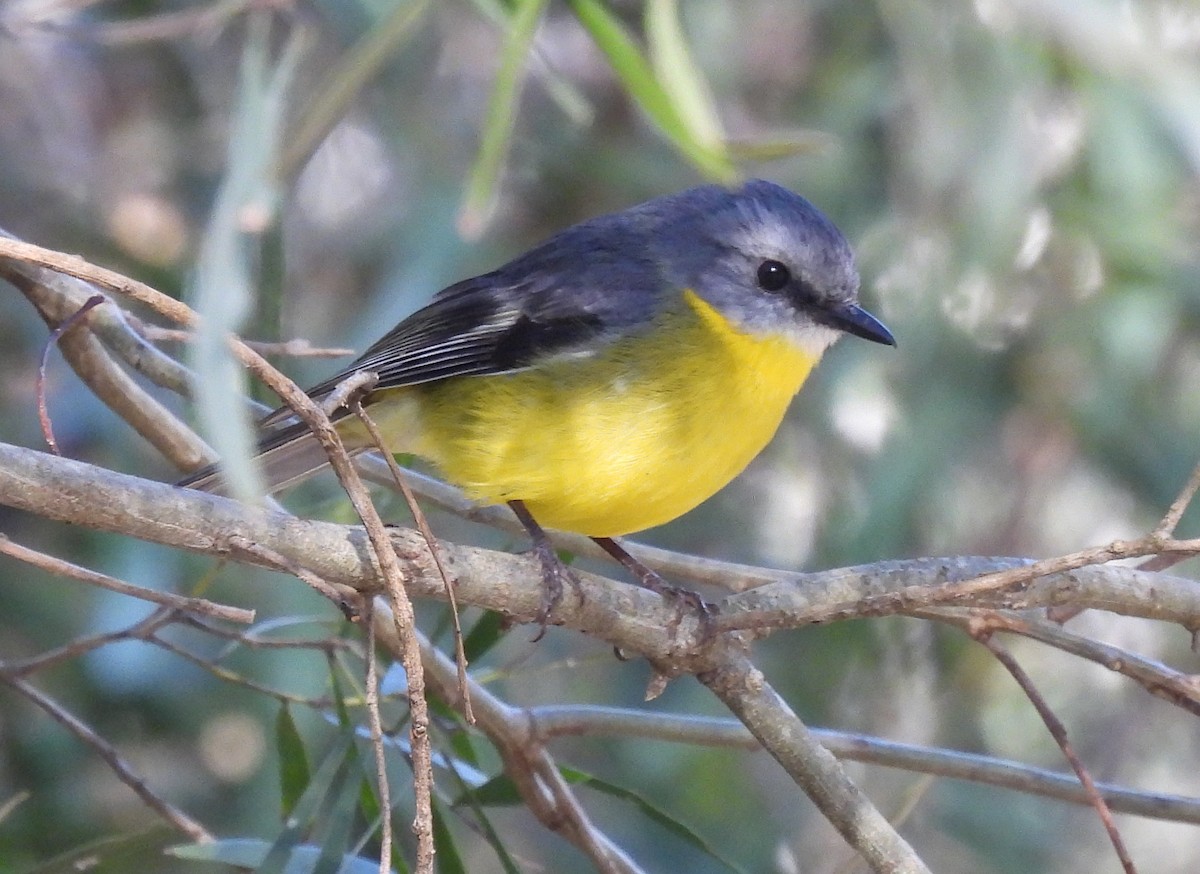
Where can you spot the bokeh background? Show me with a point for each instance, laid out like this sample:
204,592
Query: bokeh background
1020,182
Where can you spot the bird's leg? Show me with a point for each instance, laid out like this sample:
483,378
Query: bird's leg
655,583
554,572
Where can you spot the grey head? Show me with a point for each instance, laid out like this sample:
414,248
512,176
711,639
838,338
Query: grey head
766,259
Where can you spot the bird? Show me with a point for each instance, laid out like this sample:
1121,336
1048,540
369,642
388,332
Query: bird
611,378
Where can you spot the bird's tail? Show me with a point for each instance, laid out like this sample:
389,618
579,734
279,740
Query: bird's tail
291,453
286,456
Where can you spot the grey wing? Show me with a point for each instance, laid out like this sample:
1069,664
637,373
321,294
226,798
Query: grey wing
591,284
567,295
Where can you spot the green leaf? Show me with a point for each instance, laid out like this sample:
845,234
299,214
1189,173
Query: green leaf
448,859
681,79
293,761
499,791
342,85
251,853
501,116
223,282
653,813
484,634
482,823
134,851
324,788
636,74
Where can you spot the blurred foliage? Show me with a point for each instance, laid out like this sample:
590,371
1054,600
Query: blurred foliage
1020,181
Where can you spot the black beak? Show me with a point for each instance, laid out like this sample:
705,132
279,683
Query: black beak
853,319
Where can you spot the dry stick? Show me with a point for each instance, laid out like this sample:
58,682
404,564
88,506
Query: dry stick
84,495
460,653
402,609
102,748
532,769
322,429
984,634
746,692
344,598
909,598
1165,529
54,565
1156,678
56,297
297,347
584,720
375,721
140,630
40,381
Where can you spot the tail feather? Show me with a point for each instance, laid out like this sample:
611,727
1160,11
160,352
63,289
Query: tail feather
287,456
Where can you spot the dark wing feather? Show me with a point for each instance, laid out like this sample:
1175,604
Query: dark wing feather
581,289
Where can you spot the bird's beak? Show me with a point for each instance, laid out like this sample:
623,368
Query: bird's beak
853,319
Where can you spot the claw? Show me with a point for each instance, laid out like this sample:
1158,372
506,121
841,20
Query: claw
685,599
554,573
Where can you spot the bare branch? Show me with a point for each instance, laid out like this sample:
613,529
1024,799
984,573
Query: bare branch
1166,528
534,772
585,720
1171,685
984,635
173,815
745,691
375,722
199,606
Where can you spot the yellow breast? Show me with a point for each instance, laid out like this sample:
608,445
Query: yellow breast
626,439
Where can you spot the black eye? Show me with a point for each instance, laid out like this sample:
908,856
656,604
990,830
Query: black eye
773,276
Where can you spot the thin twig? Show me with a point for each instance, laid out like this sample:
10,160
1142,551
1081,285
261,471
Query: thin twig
344,598
40,380
323,430
1177,687
226,675
297,347
1170,521
140,630
199,606
533,770
173,815
984,634
742,687
56,297
375,722
435,550
587,720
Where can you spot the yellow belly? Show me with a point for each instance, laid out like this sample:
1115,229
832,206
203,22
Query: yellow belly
619,441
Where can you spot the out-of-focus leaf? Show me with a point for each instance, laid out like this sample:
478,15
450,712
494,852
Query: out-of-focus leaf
250,853
503,792
501,116
293,761
678,74
222,287
574,105
324,789
482,822
636,74
484,634
499,791
135,851
342,85
448,858
781,145
341,808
